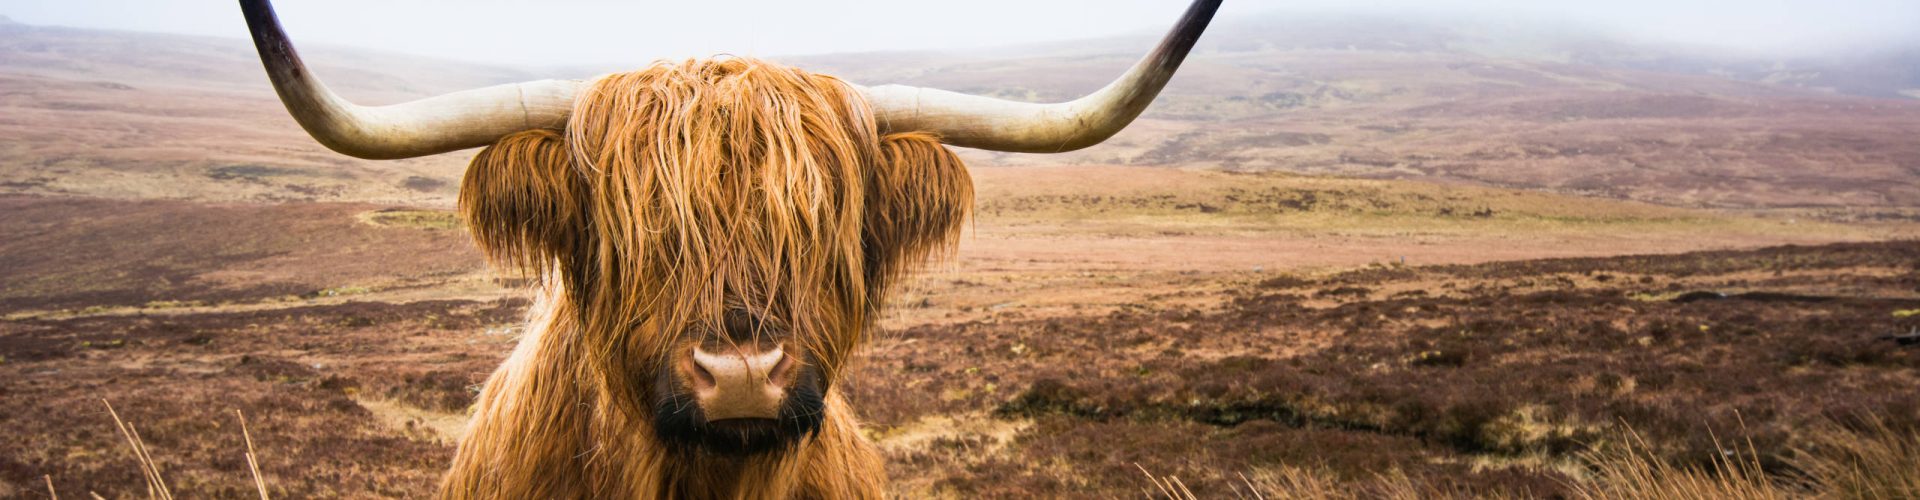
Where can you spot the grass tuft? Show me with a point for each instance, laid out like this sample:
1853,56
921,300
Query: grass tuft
1868,460
149,468
1633,471
1865,460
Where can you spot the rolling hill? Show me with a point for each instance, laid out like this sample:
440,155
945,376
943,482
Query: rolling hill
134,115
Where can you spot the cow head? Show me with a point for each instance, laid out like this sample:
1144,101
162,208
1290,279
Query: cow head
719,234
723,231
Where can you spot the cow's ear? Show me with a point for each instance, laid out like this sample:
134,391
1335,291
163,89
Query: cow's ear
523,201
918,199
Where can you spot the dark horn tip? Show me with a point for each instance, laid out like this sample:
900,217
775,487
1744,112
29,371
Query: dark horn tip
257,11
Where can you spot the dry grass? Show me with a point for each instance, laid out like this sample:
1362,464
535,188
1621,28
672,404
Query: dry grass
1867,460
1870,460
156,485
253,458
1312,484
149,468
1320,484
1632,472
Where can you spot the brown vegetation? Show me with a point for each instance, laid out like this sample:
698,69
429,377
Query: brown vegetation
1235,329
1482,378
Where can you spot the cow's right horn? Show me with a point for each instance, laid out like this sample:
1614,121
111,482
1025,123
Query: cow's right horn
438,124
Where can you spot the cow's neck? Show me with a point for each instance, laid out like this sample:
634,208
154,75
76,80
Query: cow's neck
766,476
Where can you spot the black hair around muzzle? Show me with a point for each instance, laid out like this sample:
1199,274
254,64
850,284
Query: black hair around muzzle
679,422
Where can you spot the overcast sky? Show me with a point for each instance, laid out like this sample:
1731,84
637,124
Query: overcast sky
557,32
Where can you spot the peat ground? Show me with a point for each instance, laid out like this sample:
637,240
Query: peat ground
1491,377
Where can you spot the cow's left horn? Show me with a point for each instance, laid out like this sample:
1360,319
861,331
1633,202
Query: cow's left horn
439,124
1000,125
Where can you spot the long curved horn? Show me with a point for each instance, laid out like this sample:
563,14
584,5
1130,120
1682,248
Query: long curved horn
1000,125
439,124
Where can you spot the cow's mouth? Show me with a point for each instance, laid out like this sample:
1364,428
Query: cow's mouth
681,422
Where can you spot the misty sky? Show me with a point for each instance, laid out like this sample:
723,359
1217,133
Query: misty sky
558,32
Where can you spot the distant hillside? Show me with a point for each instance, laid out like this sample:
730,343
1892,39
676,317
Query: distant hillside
153,59
1501,106
140,115
1890,72
133,115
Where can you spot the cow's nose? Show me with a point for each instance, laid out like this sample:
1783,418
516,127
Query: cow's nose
740,381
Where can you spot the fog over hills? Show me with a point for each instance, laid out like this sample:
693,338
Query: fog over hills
123,114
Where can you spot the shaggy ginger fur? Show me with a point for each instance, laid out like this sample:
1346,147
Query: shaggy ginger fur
678,191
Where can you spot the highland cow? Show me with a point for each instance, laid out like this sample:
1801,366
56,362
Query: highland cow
711,240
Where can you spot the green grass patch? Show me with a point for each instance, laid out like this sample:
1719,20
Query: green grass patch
421,219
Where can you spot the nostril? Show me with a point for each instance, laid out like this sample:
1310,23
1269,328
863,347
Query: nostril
778,375
702,379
